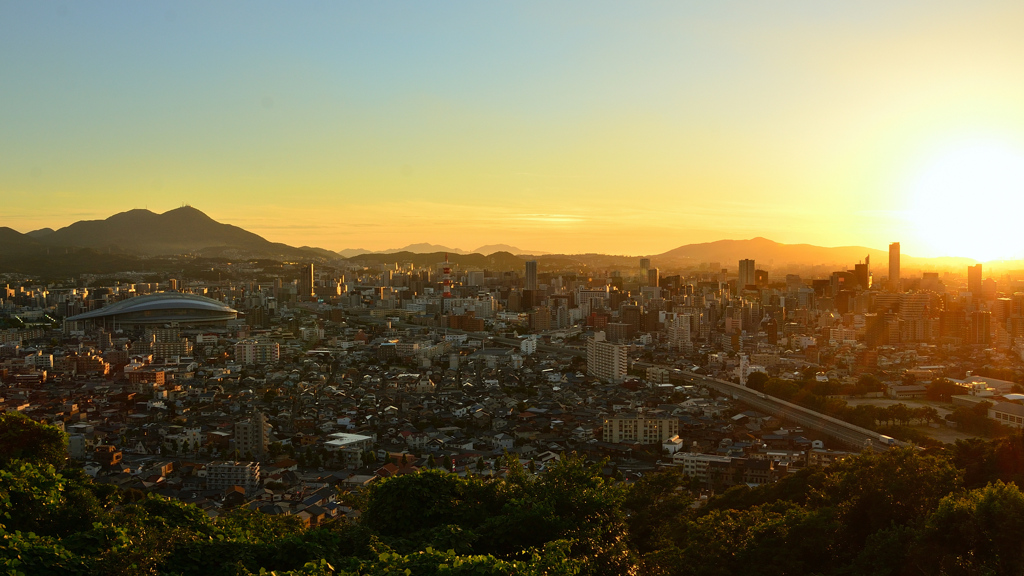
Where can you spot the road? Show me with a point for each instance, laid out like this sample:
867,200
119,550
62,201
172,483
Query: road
847,433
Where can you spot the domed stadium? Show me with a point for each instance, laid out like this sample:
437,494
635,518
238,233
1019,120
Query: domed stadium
158,309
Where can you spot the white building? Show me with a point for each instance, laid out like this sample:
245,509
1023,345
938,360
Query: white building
252,351
528,346
605,360
224,475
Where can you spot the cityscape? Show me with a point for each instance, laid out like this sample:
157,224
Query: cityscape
618,315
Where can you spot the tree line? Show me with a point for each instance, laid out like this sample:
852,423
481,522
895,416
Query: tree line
943,510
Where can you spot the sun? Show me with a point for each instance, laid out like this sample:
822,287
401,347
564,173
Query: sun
968,200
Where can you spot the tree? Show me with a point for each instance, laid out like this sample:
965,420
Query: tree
757,380
976,533
25,439
874,491
782,389
942,390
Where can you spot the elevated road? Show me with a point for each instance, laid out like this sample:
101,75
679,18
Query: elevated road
847,433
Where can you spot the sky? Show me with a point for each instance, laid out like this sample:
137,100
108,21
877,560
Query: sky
624,128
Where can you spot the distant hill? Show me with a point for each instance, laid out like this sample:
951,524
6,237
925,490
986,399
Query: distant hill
427,248
769,254
14,242
40,233
350,252
492,248
184,230
496,261
762,250
420,248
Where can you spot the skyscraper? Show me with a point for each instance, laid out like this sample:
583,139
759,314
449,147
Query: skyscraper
748,276
862,273
894,267
653,276
306,282
645,265
974,280
531,274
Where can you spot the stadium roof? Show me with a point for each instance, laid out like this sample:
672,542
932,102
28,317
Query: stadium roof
160,308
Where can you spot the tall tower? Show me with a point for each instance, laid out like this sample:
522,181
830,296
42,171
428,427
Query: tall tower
447,280
748,277
531,274
894,267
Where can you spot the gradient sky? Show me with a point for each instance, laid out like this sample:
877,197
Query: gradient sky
627,128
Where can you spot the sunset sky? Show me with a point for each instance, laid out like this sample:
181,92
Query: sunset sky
619,127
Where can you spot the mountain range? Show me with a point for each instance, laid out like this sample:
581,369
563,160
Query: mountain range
140,234
184,230
427,248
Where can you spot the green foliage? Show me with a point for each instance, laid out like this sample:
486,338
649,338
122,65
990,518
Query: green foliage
875,491
757,380
943,390
892,513
975,533
22,438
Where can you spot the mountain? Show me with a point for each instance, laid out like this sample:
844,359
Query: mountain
420,248
350,252
427,248
184,230
40,233
492,248
770,254
729,252
14,242
495,261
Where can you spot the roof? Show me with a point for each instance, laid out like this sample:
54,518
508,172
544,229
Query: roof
171,303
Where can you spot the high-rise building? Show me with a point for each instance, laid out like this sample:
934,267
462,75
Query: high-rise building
605,360
862,273
252,436
531,274
748,274
894,267
653,276
974,280
306,282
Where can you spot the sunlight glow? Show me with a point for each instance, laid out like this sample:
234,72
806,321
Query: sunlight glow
969,201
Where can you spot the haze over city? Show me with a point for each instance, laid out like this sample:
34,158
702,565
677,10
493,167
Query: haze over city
575,127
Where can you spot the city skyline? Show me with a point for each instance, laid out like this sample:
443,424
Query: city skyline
574,128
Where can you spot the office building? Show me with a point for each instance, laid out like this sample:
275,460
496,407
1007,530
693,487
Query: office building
748,274
531,275
862,273
894,267
653,276
306,283
974,280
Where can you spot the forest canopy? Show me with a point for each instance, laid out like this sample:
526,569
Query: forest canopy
955,510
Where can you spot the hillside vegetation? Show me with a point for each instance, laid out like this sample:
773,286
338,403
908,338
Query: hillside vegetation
955,511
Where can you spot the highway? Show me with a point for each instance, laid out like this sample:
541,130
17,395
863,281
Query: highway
847,433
